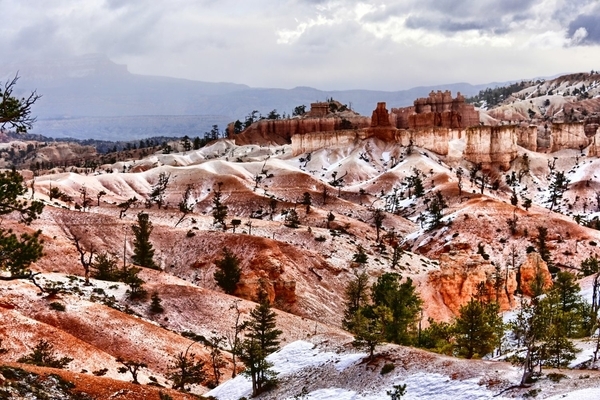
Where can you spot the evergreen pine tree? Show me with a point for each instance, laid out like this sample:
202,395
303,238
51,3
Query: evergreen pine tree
228,271
143,251
130,277
542,248
368,326
219,211
403,303
18,252
105,268
156,304
157,195
565,295
360,257
435,209
262,338
356,295
475,330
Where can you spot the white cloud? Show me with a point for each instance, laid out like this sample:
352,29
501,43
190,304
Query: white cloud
546,40
579,36
288,36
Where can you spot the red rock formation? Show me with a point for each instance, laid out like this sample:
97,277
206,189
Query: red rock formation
318,110
461,273
529,269
437,110
459,276
591,125
381,117
281,131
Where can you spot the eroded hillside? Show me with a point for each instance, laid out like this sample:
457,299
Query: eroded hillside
449,222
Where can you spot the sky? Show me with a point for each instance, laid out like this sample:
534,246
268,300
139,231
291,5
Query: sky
326,44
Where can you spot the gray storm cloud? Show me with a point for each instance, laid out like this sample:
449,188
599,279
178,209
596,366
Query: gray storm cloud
333,44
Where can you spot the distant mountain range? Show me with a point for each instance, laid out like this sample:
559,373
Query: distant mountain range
91,96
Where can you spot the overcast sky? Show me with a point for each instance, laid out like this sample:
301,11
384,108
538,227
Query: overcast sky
383,45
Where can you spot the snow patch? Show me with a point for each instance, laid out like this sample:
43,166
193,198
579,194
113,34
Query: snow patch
291,358
583,394
301,355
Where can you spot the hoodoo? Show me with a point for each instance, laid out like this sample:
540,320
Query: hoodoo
430,123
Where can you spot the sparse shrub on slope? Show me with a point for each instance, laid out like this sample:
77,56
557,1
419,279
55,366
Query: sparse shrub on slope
104,267
43,356
186,370
131,366
19,384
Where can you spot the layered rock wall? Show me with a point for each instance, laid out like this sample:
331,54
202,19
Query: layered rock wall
432,139
568,136
437,110
430,124
594,150
287,128
310,142
527,137
491,145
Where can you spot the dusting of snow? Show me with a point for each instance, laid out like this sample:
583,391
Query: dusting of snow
300,356
291,358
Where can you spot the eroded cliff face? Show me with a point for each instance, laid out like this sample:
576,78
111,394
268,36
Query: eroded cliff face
431,124
461,275
568,136
594,150
432,139
491,145
286,128
527,137
310,142
529,269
